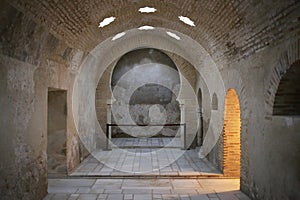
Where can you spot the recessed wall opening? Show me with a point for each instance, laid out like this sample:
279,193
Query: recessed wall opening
151,100
287,98
231,135
200,112
56,132
214,102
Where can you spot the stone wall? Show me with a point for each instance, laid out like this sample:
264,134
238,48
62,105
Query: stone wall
31,60
252,42
269,169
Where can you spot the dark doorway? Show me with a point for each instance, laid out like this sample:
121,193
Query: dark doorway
56,131
200,112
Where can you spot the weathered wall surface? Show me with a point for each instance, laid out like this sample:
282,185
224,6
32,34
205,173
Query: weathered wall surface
249,35
146,82
269,144
31,60
56,132
103,92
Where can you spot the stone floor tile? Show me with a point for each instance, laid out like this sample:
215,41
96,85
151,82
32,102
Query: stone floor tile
147,184
60,197
102,196
96,191
88,197
161,191
142,196
170,197
185,183
190,191
184,197
62,190
115,197
73,197
112,191
199,197
83,190
227,196
128,197
137,191
212,195
81,182
157,196
205,191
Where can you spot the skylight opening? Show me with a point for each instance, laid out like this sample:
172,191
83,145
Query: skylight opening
146,28
173,35
106,21
186,20
147,10
118,36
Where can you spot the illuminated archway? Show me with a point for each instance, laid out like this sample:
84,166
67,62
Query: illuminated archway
231,131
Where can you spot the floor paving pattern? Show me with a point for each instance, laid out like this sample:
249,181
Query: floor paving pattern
145,157
144,189
145,162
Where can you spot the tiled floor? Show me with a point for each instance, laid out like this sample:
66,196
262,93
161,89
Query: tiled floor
144,189
159,142
145,162
144,169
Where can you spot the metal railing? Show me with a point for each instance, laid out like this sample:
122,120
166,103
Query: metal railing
143,125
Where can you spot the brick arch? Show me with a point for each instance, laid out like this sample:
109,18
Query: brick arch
288,57
231,135
234,81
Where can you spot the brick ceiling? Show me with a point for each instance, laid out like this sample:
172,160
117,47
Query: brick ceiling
230,28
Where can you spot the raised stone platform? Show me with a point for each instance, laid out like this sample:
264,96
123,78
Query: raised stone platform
146,162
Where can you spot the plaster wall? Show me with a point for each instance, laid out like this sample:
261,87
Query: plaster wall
31,60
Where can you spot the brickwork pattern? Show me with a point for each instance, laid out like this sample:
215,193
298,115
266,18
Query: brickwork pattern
288,57
287,99
232,125
225,28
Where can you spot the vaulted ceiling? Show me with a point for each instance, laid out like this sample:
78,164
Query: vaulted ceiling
225,28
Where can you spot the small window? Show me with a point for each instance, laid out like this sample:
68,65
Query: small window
287,98
214,102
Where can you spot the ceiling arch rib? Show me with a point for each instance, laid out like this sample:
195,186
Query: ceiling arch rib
78,21
225,28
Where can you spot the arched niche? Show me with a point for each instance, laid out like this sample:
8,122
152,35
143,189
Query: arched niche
287,98
147,81
214,102
231,135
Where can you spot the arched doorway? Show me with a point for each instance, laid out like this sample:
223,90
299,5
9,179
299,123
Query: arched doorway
231,134
200,111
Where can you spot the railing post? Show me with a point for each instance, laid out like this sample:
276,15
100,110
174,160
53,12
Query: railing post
184,132
108,123
182,121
